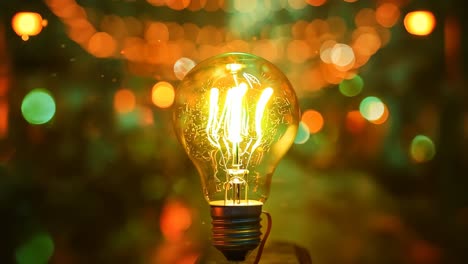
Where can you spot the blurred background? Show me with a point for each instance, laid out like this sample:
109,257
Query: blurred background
91,171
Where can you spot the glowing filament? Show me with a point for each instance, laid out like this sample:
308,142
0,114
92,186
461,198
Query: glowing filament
234,67
235,112
232,124
262,102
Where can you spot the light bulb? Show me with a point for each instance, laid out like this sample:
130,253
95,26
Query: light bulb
236,115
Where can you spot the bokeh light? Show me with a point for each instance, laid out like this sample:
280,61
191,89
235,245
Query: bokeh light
337,26
122,60
355,123
266,49
132,48
175,219
313,120
37,250
38,106
114,25
303,134
245,5
371,108
102,45
351,87
342,55
27,24
3,119
81,31
66,9
196,5
133,26
366,41
146,44
383,118
163,94
178,4
332,73
297,4
182,66
124,101
157,2
316,2
419,23
298,51
325,50
156,32
387,14
365,17
422,148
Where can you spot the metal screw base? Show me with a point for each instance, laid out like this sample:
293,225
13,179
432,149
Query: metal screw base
236,230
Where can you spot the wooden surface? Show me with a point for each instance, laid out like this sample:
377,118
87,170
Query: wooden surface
275,252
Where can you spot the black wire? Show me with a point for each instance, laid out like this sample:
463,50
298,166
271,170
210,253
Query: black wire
262,243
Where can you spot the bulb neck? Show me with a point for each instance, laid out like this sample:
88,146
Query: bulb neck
236,229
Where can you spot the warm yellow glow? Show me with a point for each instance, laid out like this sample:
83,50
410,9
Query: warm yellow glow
235,112
419,23
162,94
236,115
234,67
233,119
232,126
264,98
27,24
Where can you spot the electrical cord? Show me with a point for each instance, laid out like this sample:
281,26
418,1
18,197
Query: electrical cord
265,237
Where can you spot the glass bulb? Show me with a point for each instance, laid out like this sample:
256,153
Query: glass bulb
236,116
